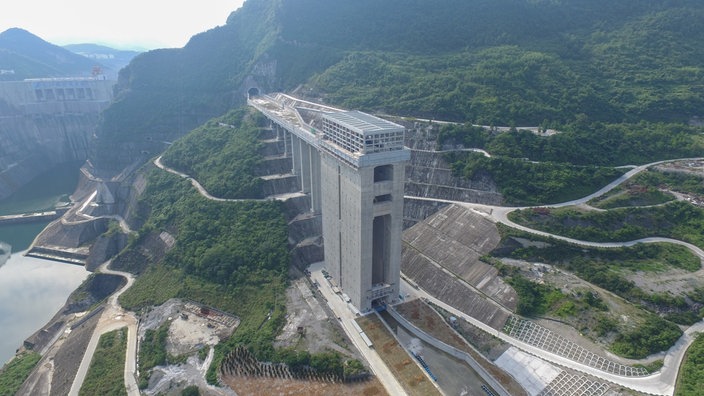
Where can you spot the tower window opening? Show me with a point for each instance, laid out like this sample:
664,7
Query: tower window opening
382,198
383,173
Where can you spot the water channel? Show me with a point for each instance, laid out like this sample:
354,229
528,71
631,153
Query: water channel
32,290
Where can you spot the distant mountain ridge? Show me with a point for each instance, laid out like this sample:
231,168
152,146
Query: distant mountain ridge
24,55
113,59
45,120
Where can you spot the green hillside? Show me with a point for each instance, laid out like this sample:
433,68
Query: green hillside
620,80
501,62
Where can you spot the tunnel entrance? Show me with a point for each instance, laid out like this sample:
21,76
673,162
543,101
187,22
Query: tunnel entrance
252,92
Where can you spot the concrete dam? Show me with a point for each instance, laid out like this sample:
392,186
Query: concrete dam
45,122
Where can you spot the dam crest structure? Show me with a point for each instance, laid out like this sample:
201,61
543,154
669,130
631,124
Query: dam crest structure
352,165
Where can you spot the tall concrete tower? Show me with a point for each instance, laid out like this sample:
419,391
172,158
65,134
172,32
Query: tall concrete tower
362,177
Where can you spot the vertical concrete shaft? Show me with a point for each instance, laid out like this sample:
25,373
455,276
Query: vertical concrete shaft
330,176
296,154
305,166
279,133
360,159
315,193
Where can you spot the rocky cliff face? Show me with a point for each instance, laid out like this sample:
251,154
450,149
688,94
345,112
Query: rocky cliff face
46,122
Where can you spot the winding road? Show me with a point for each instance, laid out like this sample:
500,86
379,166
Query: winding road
206,194
334,302
112,318
661,382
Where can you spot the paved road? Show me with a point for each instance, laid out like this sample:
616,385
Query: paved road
660,383
206,194
113,318
500,214
463,150
346,317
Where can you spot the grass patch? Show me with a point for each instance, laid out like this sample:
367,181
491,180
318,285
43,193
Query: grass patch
106,373
143,294
152,352
203,353
652,336
691,375
652,366
677,220
535,299
14,373
673,180
627,196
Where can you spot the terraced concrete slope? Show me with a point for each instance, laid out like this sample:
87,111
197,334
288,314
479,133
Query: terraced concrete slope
441,255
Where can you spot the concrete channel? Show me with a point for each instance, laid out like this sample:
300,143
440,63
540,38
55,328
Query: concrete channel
455,370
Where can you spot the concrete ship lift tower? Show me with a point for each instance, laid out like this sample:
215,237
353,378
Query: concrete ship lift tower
353,166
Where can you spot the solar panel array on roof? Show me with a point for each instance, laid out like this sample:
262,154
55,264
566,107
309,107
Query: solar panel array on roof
362,122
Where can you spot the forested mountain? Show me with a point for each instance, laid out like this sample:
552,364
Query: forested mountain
24,55
620,80
502,62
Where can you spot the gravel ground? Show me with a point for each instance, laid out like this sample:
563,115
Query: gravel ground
171,380
319,330
190,330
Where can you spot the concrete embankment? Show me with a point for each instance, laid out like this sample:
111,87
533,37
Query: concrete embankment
32,217
57,254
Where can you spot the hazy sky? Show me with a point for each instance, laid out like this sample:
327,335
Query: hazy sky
124,24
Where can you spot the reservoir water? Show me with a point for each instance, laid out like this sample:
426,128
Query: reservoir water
33,290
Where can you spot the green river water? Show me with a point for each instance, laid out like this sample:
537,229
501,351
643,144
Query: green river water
33,290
